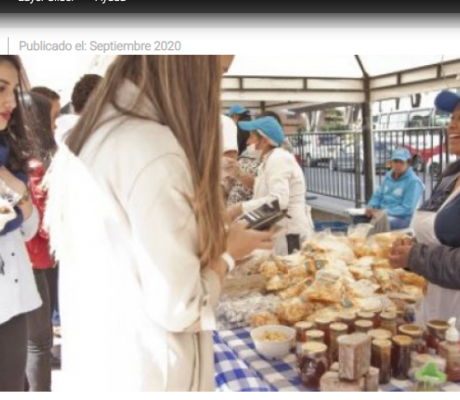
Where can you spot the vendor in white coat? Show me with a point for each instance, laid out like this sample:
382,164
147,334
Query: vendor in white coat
279,177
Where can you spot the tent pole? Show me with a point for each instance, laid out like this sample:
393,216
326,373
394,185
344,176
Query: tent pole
368,138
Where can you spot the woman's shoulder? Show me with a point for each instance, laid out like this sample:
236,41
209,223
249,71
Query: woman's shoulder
132,142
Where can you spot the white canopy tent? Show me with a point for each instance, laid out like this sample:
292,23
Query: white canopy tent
261,81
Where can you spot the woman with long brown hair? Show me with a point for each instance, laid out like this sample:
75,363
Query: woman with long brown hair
137,220
18,293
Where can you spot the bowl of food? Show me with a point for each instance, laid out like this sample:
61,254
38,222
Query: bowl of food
273,341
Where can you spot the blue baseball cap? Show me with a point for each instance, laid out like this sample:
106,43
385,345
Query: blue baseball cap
401,154
236,109
447,101
267,127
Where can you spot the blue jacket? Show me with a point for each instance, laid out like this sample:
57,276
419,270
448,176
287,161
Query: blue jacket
399,197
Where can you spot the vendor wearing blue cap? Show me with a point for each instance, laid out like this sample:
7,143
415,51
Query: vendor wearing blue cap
279,178
436,254
399,192
236,112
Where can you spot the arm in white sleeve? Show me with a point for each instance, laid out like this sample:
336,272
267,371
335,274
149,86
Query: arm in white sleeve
277,174
29,227
180,294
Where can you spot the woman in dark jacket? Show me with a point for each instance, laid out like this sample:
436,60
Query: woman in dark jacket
436,253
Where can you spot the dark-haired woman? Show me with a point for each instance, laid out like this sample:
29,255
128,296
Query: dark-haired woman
18,292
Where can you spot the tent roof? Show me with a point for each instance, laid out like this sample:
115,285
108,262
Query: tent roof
275,81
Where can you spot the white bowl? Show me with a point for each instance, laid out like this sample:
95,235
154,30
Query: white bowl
273,350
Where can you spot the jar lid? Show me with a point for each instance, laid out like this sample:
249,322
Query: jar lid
379,334
314,347
402,340
324,320
303,325
349,317
338,327
438,324
411,330
366,315
382,343
364,323
388,315
314,333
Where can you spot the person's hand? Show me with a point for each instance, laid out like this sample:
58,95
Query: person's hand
230,167
12,182
19,187
399,256
233,212
369,213
242,241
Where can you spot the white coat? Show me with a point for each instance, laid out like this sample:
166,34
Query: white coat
280,178
137,309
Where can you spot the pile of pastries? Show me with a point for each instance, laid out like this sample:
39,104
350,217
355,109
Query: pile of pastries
332,274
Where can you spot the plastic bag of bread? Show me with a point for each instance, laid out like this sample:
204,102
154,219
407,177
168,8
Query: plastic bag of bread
269,269
293,291
292,310
323,244
278,282
264,318
409,278
387,279
386,240
361,269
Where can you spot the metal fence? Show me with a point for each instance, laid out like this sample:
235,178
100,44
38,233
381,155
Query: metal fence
334,162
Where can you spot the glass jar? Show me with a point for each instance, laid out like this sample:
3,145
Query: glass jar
436,334
368,316
380,334
409,312
337,329
388,322
381,359
323,324
416,334
313,364
401,357
315,335
363,325
349,320
301,329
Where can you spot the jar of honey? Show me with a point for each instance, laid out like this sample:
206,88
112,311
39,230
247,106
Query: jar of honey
363,325
416,334
313,364
348,319
381,359
401,357
388,322
436,334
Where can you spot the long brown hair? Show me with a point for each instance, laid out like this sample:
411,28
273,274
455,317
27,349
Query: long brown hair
185,90
19,136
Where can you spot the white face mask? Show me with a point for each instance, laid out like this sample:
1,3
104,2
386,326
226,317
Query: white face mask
252,152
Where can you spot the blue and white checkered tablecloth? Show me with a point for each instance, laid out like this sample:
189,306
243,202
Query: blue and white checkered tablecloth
240,368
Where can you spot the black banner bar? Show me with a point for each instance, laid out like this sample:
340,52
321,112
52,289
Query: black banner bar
215,6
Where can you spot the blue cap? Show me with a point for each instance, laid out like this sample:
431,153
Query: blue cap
266,126
401,154
447,101
236,109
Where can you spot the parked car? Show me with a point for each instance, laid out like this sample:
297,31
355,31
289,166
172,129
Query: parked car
417,129
437,164
347,161
318,149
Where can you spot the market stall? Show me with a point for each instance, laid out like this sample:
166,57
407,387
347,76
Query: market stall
344,302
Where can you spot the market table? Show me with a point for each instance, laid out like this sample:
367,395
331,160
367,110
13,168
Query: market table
240,368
